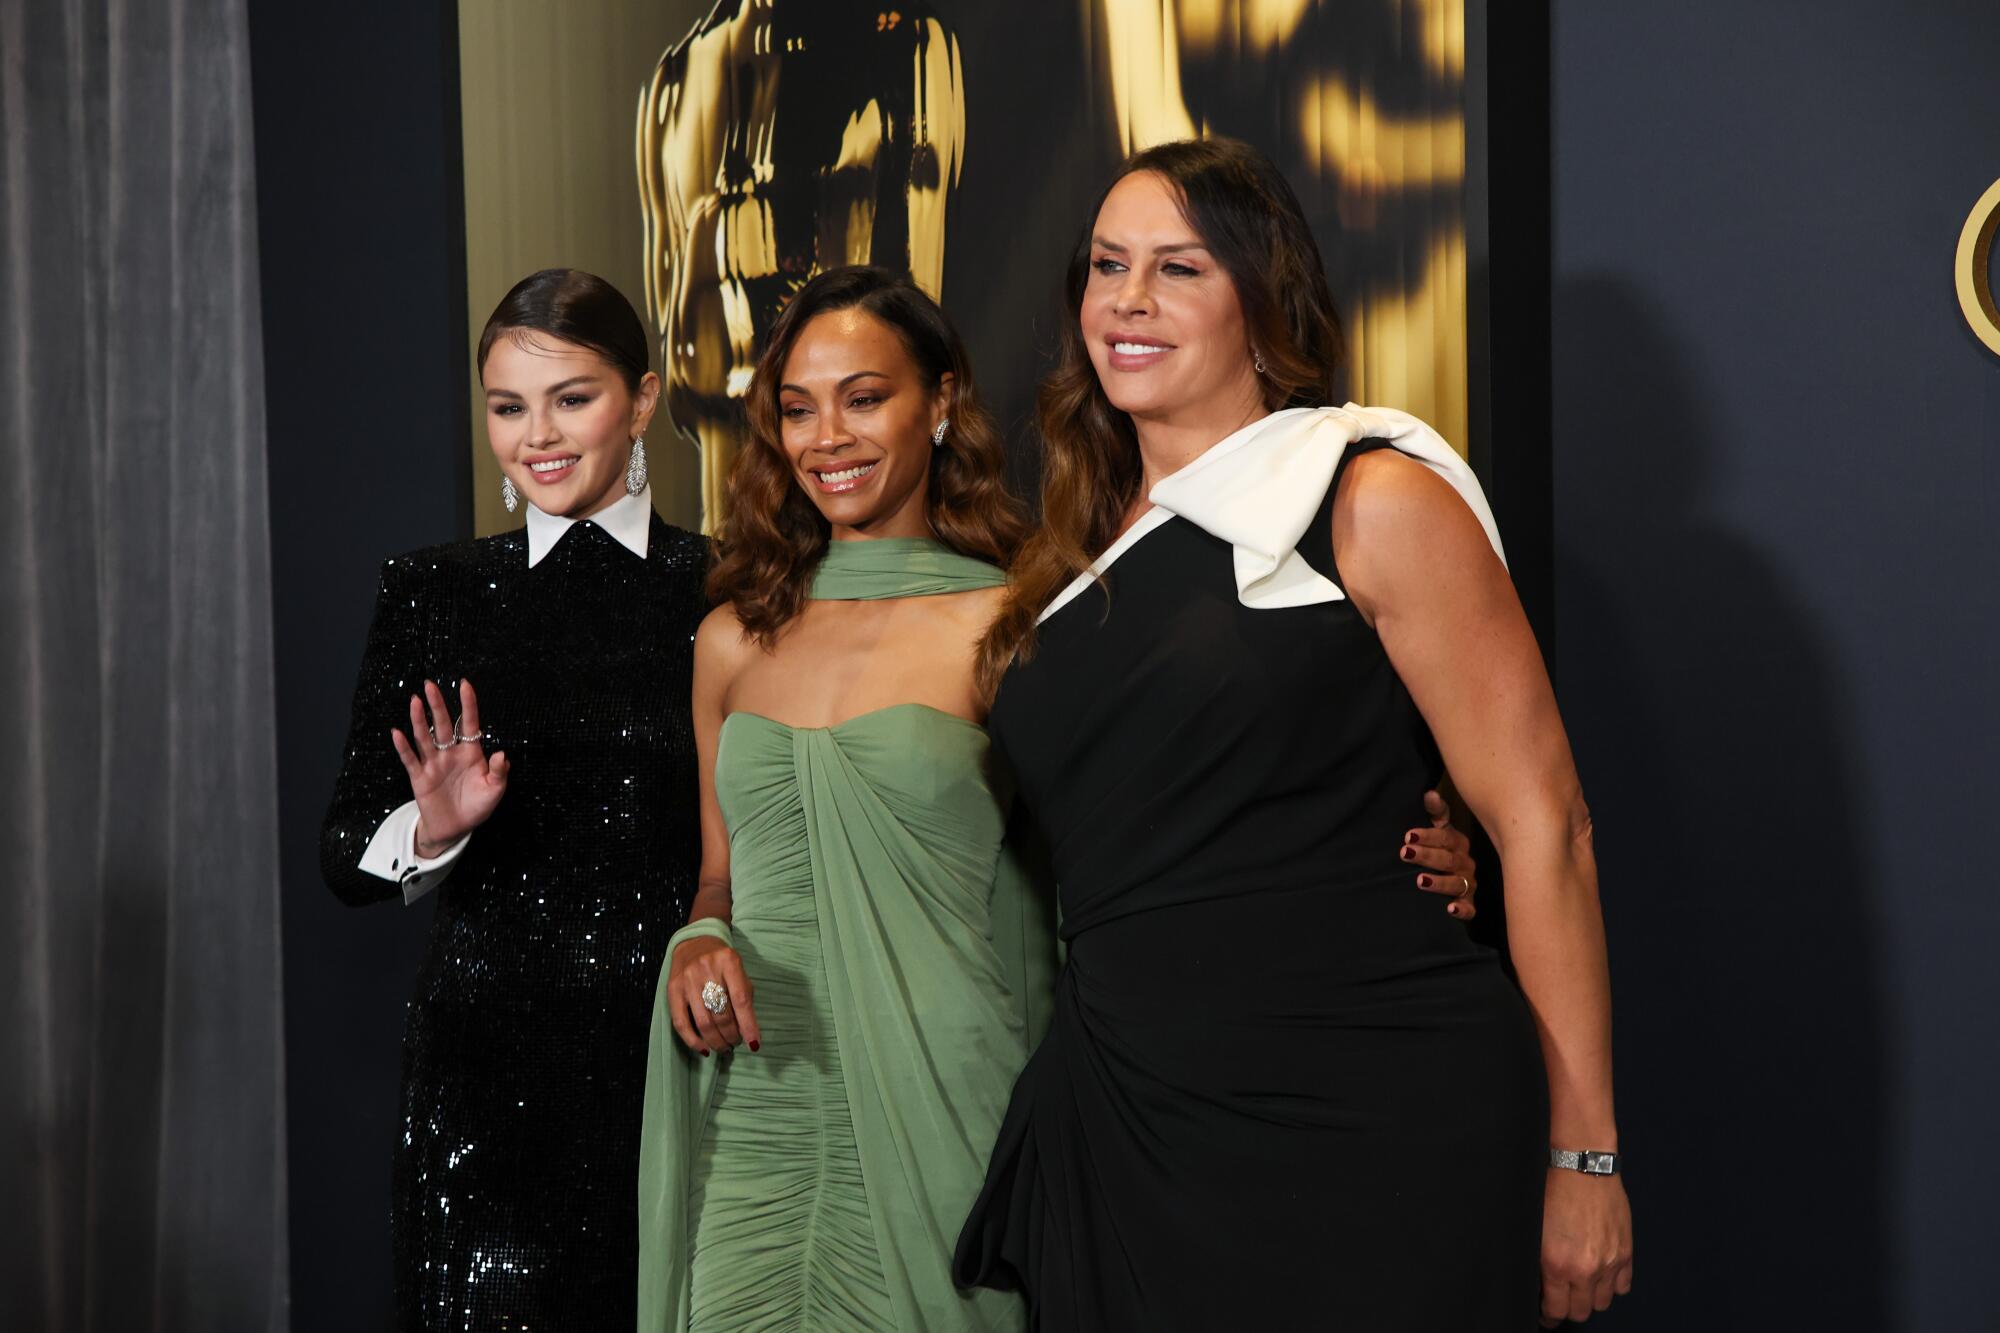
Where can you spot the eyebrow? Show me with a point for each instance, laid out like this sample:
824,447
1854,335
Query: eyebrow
1175,248
845,381
569,383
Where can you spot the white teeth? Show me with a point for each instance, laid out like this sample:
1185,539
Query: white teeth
848,474
1136,349
553,465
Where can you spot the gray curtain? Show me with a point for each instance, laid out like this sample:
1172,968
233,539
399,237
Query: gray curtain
142,1085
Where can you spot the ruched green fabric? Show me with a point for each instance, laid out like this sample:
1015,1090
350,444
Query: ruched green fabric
894,567
902,962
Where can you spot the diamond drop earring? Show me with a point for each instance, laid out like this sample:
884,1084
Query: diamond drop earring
635,470
937,436
1257,362
508,495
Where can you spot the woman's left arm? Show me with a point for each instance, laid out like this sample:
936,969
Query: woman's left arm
1420,569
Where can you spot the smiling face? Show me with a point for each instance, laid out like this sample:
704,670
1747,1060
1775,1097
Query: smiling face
561,421
855,420
1160,316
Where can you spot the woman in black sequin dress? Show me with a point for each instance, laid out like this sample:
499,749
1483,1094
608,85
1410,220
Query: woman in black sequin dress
562,843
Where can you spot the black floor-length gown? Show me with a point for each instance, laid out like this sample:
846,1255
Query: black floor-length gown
524,1053
1282,1089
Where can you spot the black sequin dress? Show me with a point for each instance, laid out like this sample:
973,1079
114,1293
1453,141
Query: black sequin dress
524,1054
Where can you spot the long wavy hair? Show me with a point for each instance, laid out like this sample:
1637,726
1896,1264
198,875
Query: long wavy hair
1244,211
773,535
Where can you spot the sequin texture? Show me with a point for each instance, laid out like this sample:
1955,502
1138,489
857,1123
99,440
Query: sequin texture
524,1049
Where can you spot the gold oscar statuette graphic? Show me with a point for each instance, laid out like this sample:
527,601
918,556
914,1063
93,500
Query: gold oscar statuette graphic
778,139
1974,270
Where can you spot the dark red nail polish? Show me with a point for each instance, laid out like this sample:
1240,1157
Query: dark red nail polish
1409,855
1411,836
753,1045
1424,881
704,1054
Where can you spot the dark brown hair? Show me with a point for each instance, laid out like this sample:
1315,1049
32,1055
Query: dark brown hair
577,307
773,534
1244,211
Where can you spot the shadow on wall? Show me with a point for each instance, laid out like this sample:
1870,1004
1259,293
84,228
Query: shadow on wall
1710,724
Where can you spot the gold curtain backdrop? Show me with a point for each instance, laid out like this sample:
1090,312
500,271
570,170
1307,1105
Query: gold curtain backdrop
776,138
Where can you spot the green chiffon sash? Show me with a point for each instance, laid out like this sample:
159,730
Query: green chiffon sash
889,567
939,946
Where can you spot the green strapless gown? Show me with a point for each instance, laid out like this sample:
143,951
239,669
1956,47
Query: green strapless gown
902,963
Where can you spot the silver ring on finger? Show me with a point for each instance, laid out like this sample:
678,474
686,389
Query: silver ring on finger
457,739
442,745
714,997
1468,887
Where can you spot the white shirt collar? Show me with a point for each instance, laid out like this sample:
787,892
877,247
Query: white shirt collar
628,519
1260,488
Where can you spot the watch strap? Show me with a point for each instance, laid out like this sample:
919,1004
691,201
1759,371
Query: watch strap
1589,1162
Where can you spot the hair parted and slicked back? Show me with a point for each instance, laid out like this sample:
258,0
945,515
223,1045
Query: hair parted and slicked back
577,307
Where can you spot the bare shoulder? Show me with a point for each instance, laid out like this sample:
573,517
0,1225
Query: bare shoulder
1397,523
720,643
1386,488
720,626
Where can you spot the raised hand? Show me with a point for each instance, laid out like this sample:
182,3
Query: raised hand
455,782
696,965
1444,855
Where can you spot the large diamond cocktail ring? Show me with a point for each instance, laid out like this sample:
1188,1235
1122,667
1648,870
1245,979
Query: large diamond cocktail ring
714,998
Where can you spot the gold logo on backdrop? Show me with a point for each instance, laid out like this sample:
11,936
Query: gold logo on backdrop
778,139
1974,270
783,137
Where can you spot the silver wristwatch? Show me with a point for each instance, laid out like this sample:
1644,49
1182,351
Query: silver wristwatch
1588,1162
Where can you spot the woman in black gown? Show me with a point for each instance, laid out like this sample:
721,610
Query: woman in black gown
1279,1091
524,1053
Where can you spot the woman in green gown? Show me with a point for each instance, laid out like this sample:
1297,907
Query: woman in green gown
866,965
817,1174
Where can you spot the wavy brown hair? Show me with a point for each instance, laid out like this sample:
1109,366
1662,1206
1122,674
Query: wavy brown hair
1244,211
773,535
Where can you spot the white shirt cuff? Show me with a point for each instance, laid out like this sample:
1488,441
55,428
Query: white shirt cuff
392,854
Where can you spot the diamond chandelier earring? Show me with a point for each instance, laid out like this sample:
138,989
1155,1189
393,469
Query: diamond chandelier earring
508,495
937,436
635,470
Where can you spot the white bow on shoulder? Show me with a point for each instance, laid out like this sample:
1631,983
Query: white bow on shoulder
1259,489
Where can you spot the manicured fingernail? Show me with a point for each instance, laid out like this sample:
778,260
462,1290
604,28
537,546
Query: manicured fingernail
1409,855
1424,881
1411,836
753,1045
704,1053
1451,910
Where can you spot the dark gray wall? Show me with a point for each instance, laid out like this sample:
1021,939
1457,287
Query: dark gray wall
358,182
1776,452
